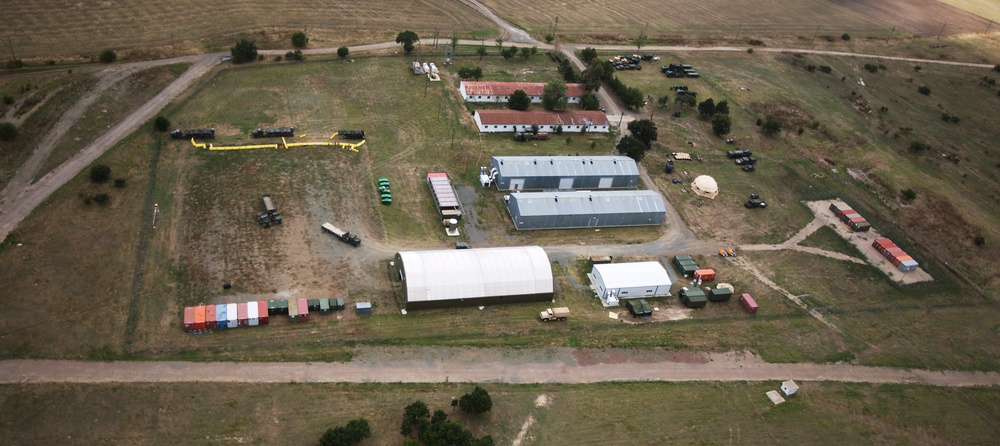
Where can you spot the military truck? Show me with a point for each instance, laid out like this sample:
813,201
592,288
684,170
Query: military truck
555,314
270,210
273,132
193,133
638,307
343,235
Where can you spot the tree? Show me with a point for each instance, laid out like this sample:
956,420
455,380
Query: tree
924,90
481,51
412,416
706,108
407,38
161,124
477,73
100,173
358,429
499,41
351,434
722,107
534,50
549,38
632,148
588,55
526,53
845,37
509,52
519,100
299,39
632,97
107,56
554,95
664,101
244,51
590,102
567,71
343,52
979,240
592,76
909,194
644,130
721,124
465,72
771,126
685,99
8,131
476,402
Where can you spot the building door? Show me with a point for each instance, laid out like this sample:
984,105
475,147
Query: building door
605,183
517,184
565,183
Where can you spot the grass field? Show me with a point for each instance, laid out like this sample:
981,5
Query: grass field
51,29
639,413
828,239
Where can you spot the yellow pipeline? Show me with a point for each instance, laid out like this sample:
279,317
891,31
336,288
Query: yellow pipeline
200,146
256,146
334,135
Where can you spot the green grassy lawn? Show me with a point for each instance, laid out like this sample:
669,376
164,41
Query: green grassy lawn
681,413
828,239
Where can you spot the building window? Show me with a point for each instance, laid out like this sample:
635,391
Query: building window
649,291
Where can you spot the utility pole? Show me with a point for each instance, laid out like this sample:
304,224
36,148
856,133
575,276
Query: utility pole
942,30
815,34
555,28
988,26
890,34
12,57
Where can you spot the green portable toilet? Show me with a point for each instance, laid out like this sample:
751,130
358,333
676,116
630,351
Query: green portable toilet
339,306
324,305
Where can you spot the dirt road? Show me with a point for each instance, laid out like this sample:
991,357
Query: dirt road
715,367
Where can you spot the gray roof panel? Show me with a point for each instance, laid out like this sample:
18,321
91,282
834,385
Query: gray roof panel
565,166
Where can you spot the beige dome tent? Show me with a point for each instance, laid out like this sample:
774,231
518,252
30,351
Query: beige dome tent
705,186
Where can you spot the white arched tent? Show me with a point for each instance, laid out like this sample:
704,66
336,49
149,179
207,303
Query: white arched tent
705,186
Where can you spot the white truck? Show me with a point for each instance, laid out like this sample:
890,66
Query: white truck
554,314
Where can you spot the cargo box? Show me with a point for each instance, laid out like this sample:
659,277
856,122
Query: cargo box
210,320
363,308
693,297
638,307
303,305
705,274
324,305
883,243
275,307
241,314
199,318
262,312
313,304
748,303
221,320
232,320
189,319
720,294
252,314
338,304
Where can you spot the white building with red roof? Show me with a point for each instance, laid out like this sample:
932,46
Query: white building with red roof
501,91
573,121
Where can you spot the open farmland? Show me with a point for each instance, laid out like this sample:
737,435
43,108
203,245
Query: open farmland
51,28
679,413
922,17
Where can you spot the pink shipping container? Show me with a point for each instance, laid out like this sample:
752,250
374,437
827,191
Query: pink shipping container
303,310
241,314
748,303
199,318
262,312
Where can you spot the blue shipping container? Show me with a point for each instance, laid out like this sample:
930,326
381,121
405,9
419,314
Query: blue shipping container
220,316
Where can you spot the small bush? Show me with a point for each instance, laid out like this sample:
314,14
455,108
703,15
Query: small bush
845,37
278,58
909,194
825,69
343,52
8,132
299,39
101,199
924,90
759,122
119,182
810,68
917,68
980,240
569,140
750,50
989,80
100,173
996,67
290,55
559,130
107,56
299,56
871,67
14,64
8,100
161,124
918,146
755,42
50,62
801,130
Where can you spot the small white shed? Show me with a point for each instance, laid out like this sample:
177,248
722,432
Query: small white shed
252,313
789,388
231,316
631,280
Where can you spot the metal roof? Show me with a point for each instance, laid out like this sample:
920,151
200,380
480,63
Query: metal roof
508,88
445,193
472,273
542,117
588,202
632,274
565,166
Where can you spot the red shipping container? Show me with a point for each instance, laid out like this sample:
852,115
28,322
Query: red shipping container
895,252
704,274
883,243
262,312
303,310
189,319
748,303
241,314
199,318
210,320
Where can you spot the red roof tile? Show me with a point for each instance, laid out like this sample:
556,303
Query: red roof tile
508,88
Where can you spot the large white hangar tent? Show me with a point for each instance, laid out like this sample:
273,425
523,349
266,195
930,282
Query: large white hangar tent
468,277
586,209
564,172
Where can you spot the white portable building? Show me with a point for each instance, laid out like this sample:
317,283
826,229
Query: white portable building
252,313
232,320
633,280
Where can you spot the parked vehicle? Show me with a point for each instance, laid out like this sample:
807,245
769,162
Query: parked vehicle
270,209
738,153
746,160
555,314
754,203
462,245
749,168
194,133
276,132
343,235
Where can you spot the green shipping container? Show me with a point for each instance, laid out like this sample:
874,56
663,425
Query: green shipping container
313,304
719,294
693,298
324,305
339,306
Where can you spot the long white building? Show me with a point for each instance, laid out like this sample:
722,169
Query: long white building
501,91
575,121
